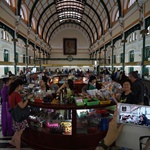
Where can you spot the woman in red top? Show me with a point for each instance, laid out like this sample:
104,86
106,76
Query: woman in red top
16,99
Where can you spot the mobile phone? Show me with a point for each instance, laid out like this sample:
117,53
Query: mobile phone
133,114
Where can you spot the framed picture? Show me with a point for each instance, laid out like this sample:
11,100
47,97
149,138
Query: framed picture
70,46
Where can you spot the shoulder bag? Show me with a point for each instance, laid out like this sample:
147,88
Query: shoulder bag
17,113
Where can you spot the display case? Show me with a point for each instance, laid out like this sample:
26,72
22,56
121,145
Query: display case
69,127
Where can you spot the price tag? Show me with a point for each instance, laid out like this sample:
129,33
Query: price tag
79,100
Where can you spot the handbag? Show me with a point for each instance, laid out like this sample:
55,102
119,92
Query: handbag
19,114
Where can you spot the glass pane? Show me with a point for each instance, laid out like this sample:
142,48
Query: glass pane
6,55
132,56
6,69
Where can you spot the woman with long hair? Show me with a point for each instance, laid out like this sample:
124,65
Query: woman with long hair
5,116
15,99
68,87
43,84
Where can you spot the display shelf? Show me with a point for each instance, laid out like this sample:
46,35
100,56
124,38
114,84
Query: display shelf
66,106
42,139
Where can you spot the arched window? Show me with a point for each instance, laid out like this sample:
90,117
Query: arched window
95,36
106,24
8,2
4,35
114,59
7,38
121,58
131,2
33,23
13,3
6,59
24,58
117,15
130,39
131,59
47,39
23,12
134,36
100,30
17,58
6,55
147,53
148,30
39,30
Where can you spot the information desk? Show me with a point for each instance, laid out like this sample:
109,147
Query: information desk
42,139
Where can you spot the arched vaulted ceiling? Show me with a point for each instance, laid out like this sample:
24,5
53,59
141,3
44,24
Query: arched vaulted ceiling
89,15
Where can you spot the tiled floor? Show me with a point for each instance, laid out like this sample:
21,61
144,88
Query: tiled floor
4,141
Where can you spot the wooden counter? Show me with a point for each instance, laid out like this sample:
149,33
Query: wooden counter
42,139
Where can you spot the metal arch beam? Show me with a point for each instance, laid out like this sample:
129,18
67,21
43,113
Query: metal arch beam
89,28
97,17
119,8
101,1
50,27
18,7
56,13
31,12
70,23
93,23
50,6
46,23
42,15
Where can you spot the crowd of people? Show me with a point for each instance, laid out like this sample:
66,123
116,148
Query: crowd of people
132,93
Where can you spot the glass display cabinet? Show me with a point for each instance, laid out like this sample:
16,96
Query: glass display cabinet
62,126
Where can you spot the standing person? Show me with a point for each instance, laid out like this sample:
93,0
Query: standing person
15,99
27,74
137,87
5,116
9,73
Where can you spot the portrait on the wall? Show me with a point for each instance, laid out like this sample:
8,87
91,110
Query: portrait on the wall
70,46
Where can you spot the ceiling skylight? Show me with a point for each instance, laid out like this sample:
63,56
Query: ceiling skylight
70,10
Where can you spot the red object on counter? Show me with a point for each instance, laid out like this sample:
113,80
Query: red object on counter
101,111
38,100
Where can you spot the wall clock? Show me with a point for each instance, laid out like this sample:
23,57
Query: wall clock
69,58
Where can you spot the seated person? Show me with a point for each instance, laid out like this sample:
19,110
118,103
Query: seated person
143,120
127,95
43,84
92,83
68,87
53,86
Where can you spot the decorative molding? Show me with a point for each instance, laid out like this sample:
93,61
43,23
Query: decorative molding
132,63
15,40
146,62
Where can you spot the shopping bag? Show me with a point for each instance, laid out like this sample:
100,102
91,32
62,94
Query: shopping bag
19,114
